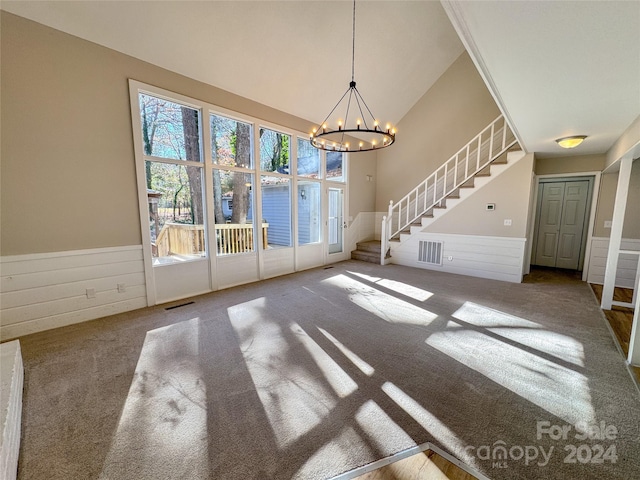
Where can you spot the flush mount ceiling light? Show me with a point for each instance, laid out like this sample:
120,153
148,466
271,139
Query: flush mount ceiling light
364,132
571,142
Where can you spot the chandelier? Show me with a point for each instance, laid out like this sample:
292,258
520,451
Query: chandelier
364,133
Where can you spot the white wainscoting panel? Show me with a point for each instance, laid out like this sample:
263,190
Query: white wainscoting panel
361,229
627,264
176,281
310,256
278,261
49,290
498,258
232,270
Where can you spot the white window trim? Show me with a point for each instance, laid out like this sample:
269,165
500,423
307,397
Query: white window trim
205,110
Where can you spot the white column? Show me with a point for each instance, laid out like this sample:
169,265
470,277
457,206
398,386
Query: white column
634,342
616,231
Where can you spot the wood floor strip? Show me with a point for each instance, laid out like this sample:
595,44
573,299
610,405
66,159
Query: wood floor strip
621,320
423,462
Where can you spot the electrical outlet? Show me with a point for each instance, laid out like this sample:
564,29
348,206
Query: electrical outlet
91,293
507,222
122,288
607,223
450,258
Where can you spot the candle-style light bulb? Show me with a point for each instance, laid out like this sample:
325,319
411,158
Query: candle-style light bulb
339,124
358,123
388,127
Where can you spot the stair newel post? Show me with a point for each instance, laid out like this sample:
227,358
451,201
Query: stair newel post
383,240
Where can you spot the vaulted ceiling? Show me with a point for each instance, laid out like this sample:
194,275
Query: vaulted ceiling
555,67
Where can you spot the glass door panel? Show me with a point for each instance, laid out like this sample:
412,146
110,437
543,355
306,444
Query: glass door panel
335,221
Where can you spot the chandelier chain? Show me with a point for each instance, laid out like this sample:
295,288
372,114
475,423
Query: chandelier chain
353,44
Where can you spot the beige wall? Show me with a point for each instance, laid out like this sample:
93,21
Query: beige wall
628,143
606,200
509,192
576,164
453,111
362,192
68,172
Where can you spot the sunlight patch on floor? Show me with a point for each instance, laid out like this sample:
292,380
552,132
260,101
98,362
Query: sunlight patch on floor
398,287
523,331
295,400
164,418
383,305
355,359
373,420
426,419
558,390
339,380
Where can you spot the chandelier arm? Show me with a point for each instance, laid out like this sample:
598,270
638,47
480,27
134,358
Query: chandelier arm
358,97
365,104
336,106
346,114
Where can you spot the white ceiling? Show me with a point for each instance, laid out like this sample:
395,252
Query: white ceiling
291,55
559,68
556,67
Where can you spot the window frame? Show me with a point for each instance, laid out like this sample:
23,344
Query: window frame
205,110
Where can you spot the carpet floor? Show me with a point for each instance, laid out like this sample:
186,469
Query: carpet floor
313,374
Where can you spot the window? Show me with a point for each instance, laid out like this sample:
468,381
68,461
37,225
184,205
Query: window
308,159
276,210
188,182
169,130
174,179
232,185
275,153
335,166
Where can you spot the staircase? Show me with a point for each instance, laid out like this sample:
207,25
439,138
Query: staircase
369,251
463,171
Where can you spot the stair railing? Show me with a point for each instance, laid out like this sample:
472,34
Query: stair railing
484,148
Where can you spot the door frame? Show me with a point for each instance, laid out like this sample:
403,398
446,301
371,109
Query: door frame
594,176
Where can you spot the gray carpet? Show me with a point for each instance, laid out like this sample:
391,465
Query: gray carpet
316,373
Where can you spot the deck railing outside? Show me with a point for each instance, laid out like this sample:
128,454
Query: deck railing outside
189,239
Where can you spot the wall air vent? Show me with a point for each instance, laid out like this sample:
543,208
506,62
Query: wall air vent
430,252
